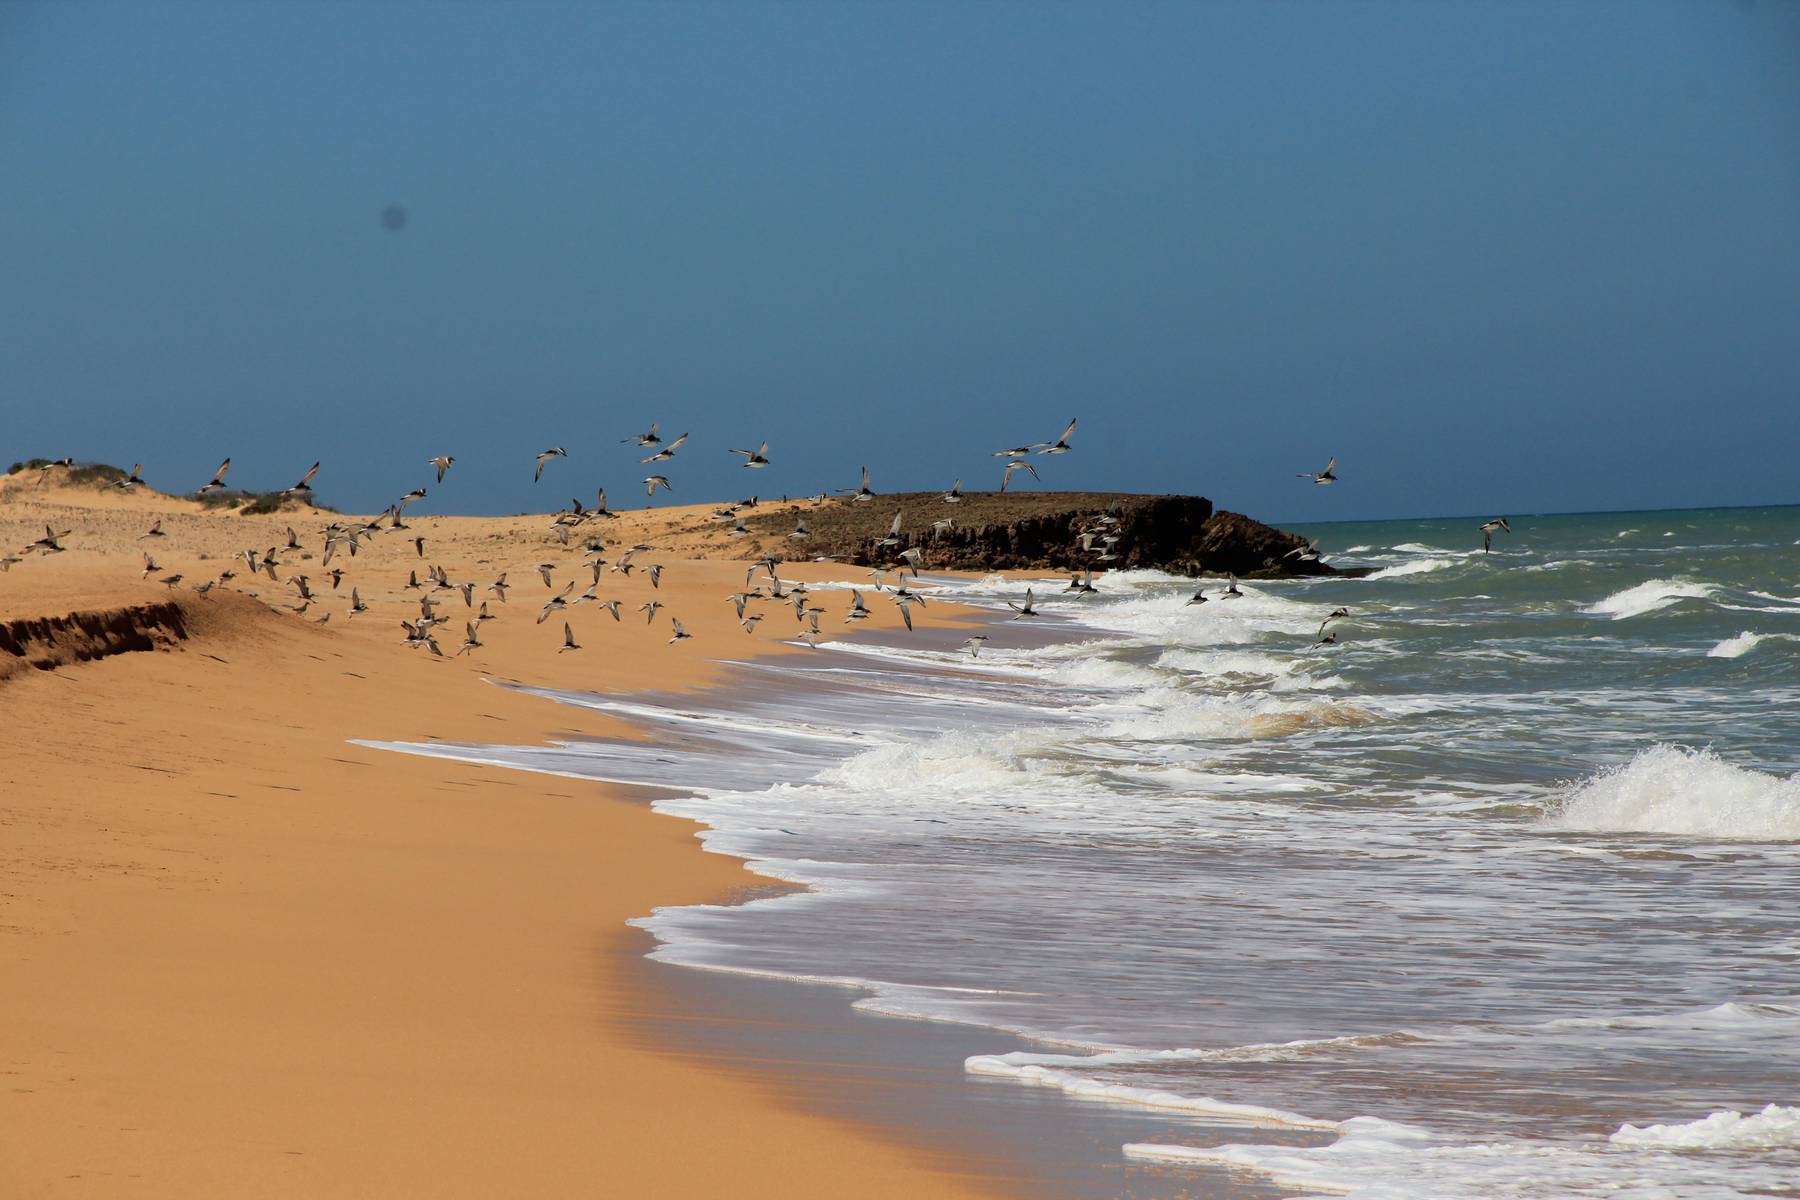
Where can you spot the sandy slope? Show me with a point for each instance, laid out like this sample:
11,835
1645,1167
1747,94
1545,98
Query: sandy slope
243,957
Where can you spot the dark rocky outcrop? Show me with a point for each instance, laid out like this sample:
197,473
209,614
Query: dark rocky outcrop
1043,531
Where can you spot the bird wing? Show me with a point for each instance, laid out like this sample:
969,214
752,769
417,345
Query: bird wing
1067,434
308,477
671,447
1332,465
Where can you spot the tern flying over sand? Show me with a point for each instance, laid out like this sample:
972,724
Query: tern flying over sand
50,543
569,642
1025,610
667,452
647,439
546,456
1489,529
1017,464
556,603
1325,476
304,487
649,609
130,481
652,482
858,610
356,603
1061,444
151,566
543,570
755,458
863,493
680,633
217,483
154,531
499,586
471,642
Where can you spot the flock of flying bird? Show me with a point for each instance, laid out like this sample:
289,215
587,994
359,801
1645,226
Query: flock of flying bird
1101,531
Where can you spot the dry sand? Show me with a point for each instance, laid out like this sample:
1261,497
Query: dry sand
241,956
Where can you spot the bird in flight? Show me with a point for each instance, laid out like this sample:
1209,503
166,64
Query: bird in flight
652,482
304,487
680,633
863,493
1017,464
130,481
1489,529
1336,614
647,439
471,642
1061,444
442,462
569,642
667,452
1325,476
954,495
974,644
755,458
1024,610
556,603
546,456
217,482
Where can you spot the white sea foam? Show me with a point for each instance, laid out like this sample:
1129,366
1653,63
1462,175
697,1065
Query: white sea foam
1745,642
1649,597
1373,1159
1075,1084
1735,647
1418,566
1774,1128
1689,793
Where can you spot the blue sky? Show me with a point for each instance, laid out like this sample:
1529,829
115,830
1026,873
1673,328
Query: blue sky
1496,257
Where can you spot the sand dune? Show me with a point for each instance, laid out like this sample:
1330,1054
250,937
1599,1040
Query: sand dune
244,957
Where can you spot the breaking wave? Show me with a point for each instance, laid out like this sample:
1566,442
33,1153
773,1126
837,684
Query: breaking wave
1688,793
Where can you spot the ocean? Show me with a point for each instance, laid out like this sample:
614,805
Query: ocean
1497,896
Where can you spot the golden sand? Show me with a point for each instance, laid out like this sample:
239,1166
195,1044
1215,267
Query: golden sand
240,956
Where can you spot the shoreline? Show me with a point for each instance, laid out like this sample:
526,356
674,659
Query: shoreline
254,958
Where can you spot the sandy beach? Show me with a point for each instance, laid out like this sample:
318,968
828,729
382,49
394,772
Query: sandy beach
246,957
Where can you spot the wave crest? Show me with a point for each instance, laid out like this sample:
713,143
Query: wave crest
1774,1128
1650,596
1689,793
